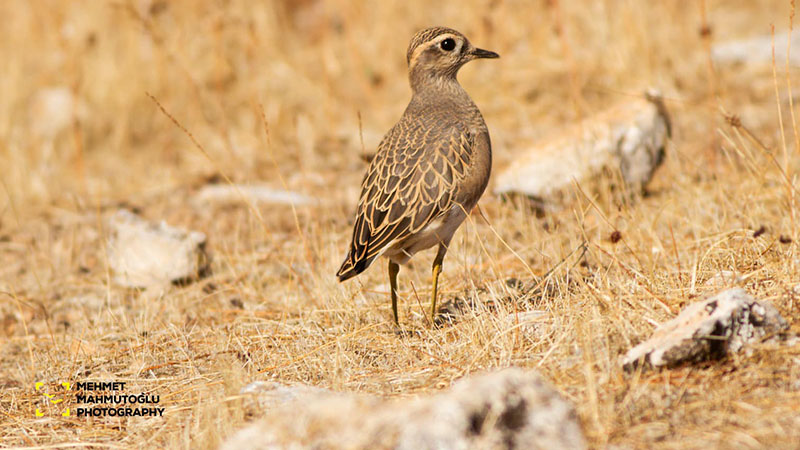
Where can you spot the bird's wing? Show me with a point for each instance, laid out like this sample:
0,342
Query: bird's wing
410,183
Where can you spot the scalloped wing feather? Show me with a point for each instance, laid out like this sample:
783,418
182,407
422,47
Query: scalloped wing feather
409,184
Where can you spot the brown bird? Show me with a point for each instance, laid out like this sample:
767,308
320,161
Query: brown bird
431,167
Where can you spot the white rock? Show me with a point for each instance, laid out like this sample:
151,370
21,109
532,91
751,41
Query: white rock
758,51
708,329
53,110
534,324
268,394
724,278
507,409
629,137
526,317
511,408
227,193
145,254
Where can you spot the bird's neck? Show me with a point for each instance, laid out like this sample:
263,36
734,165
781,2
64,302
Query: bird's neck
438,84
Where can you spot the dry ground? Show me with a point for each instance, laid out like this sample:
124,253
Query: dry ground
272,308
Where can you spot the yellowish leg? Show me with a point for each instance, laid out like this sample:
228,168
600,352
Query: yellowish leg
393,270
437,269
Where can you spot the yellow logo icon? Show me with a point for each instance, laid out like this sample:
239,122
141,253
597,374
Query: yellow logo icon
51,397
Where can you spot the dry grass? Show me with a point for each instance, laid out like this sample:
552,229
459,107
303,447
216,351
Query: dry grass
272,308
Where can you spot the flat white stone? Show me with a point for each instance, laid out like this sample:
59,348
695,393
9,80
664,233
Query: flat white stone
53,110
227,193
145,254
708,329
757,51
511,408
629,137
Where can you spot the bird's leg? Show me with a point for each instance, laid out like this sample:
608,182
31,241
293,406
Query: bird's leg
437,269
394,268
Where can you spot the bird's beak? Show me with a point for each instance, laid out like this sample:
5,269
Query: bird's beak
481,53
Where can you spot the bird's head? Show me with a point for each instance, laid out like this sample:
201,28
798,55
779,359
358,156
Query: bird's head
437,53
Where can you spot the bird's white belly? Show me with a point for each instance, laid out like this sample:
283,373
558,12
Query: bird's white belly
438,231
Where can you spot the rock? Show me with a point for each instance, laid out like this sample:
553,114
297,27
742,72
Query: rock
533,324
53,110
629,137
237,193
708,329
506,409
511,408
144,254
269,394
526,317
724,278
757,51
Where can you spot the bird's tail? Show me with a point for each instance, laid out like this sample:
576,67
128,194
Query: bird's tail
353,266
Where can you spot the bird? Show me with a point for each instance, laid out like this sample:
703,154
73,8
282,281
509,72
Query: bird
430,168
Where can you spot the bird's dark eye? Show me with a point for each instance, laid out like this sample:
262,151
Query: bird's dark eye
448,44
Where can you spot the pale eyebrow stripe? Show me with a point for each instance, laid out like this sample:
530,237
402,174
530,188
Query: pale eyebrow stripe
415,54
